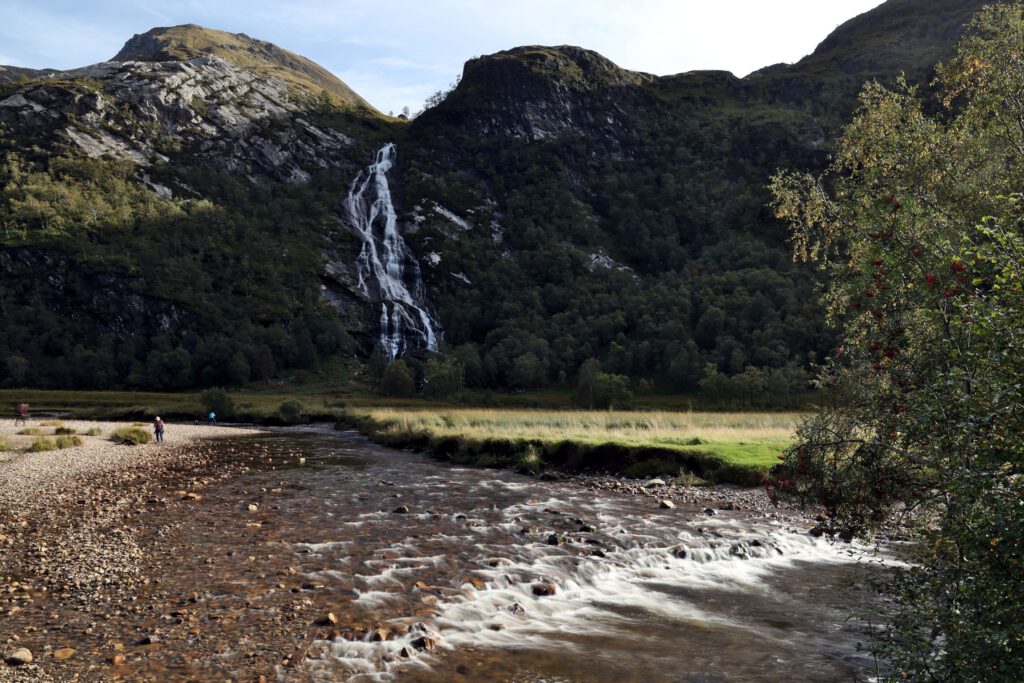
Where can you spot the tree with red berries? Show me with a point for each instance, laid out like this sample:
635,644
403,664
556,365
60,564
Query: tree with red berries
918,226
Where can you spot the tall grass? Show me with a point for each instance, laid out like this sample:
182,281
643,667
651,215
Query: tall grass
738,447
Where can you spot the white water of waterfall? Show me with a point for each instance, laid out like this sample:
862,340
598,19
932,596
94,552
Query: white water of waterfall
388,272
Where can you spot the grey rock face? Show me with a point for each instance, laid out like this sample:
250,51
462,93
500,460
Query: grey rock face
206,108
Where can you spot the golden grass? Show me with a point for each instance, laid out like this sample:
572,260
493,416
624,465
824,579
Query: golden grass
621,427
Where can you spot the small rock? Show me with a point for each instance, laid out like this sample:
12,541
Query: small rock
710,511
253,507
18,656
588,528
655,482
544,589
329,620
497,627
118,659
666,504
151,639
63,653
681,552
428,643
517,609
401,510
407,652
380,635
555,539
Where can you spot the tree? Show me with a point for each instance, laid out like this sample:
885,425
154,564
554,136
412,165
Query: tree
586,387
442,378
922,237
397,380
218,401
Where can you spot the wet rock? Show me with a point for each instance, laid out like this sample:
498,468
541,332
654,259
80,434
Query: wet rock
401,510
818,531
407,652
666,504
728,506
62,653
544,589
739,551
426,642
380,635
517,609
588,528
710,511
682,552
18,656
555,539
496,627
475,582
330,619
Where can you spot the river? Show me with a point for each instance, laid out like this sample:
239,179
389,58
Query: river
407,569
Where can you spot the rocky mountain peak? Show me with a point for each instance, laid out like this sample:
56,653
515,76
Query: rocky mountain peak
189,41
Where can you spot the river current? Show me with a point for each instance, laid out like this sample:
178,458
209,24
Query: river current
425,572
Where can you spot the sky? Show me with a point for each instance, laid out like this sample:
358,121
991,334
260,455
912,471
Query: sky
396,53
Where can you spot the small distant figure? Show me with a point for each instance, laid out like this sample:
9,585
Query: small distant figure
213,417
21,414
158,429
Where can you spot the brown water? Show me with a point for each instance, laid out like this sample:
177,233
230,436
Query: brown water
752,600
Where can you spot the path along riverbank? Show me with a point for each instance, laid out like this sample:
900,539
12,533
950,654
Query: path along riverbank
66,536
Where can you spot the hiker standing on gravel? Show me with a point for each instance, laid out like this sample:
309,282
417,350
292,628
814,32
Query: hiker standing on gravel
21,414
158,429
213,417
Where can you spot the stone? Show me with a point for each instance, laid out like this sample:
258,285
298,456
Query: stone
151,639
63,653
555,539
544,589
330,619
401,510
681,552
380,635
588,528
710,511
655,482
497,627
407,652
118,659
517,609
18,656
426,642
666,504
253,507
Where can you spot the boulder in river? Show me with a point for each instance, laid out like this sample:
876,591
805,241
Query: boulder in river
401,510
666,504
544,589
517,609
426,642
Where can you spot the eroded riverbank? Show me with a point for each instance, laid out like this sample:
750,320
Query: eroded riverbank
318,556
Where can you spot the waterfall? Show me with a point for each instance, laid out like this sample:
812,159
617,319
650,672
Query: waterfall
389,275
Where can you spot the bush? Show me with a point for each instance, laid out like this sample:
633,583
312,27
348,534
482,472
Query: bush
51,423
95,431
68,441
131,435
218,401
397,380
31,431
63,430
42,444
291,410
5,445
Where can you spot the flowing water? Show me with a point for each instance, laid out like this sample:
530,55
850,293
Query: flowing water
389,275
445,588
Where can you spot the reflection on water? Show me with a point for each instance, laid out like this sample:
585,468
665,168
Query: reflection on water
431,573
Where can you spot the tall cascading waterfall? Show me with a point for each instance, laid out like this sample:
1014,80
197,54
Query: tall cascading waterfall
388,272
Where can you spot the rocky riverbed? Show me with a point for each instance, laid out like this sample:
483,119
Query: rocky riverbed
316,556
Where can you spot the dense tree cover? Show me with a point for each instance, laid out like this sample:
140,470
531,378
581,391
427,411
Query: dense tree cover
106,284
920,226
651,250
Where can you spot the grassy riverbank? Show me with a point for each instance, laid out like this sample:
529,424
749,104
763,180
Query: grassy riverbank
722,447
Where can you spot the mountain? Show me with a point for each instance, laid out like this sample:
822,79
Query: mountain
207,208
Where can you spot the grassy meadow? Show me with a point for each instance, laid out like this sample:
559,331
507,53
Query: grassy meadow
736,447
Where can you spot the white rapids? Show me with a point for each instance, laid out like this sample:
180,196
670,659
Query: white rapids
389,275
636,568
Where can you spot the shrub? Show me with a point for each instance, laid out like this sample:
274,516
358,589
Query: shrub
397,380
5,445
131,435
68,441
31,431
42,444
63,430
52,423
218,401
291,410
94,431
